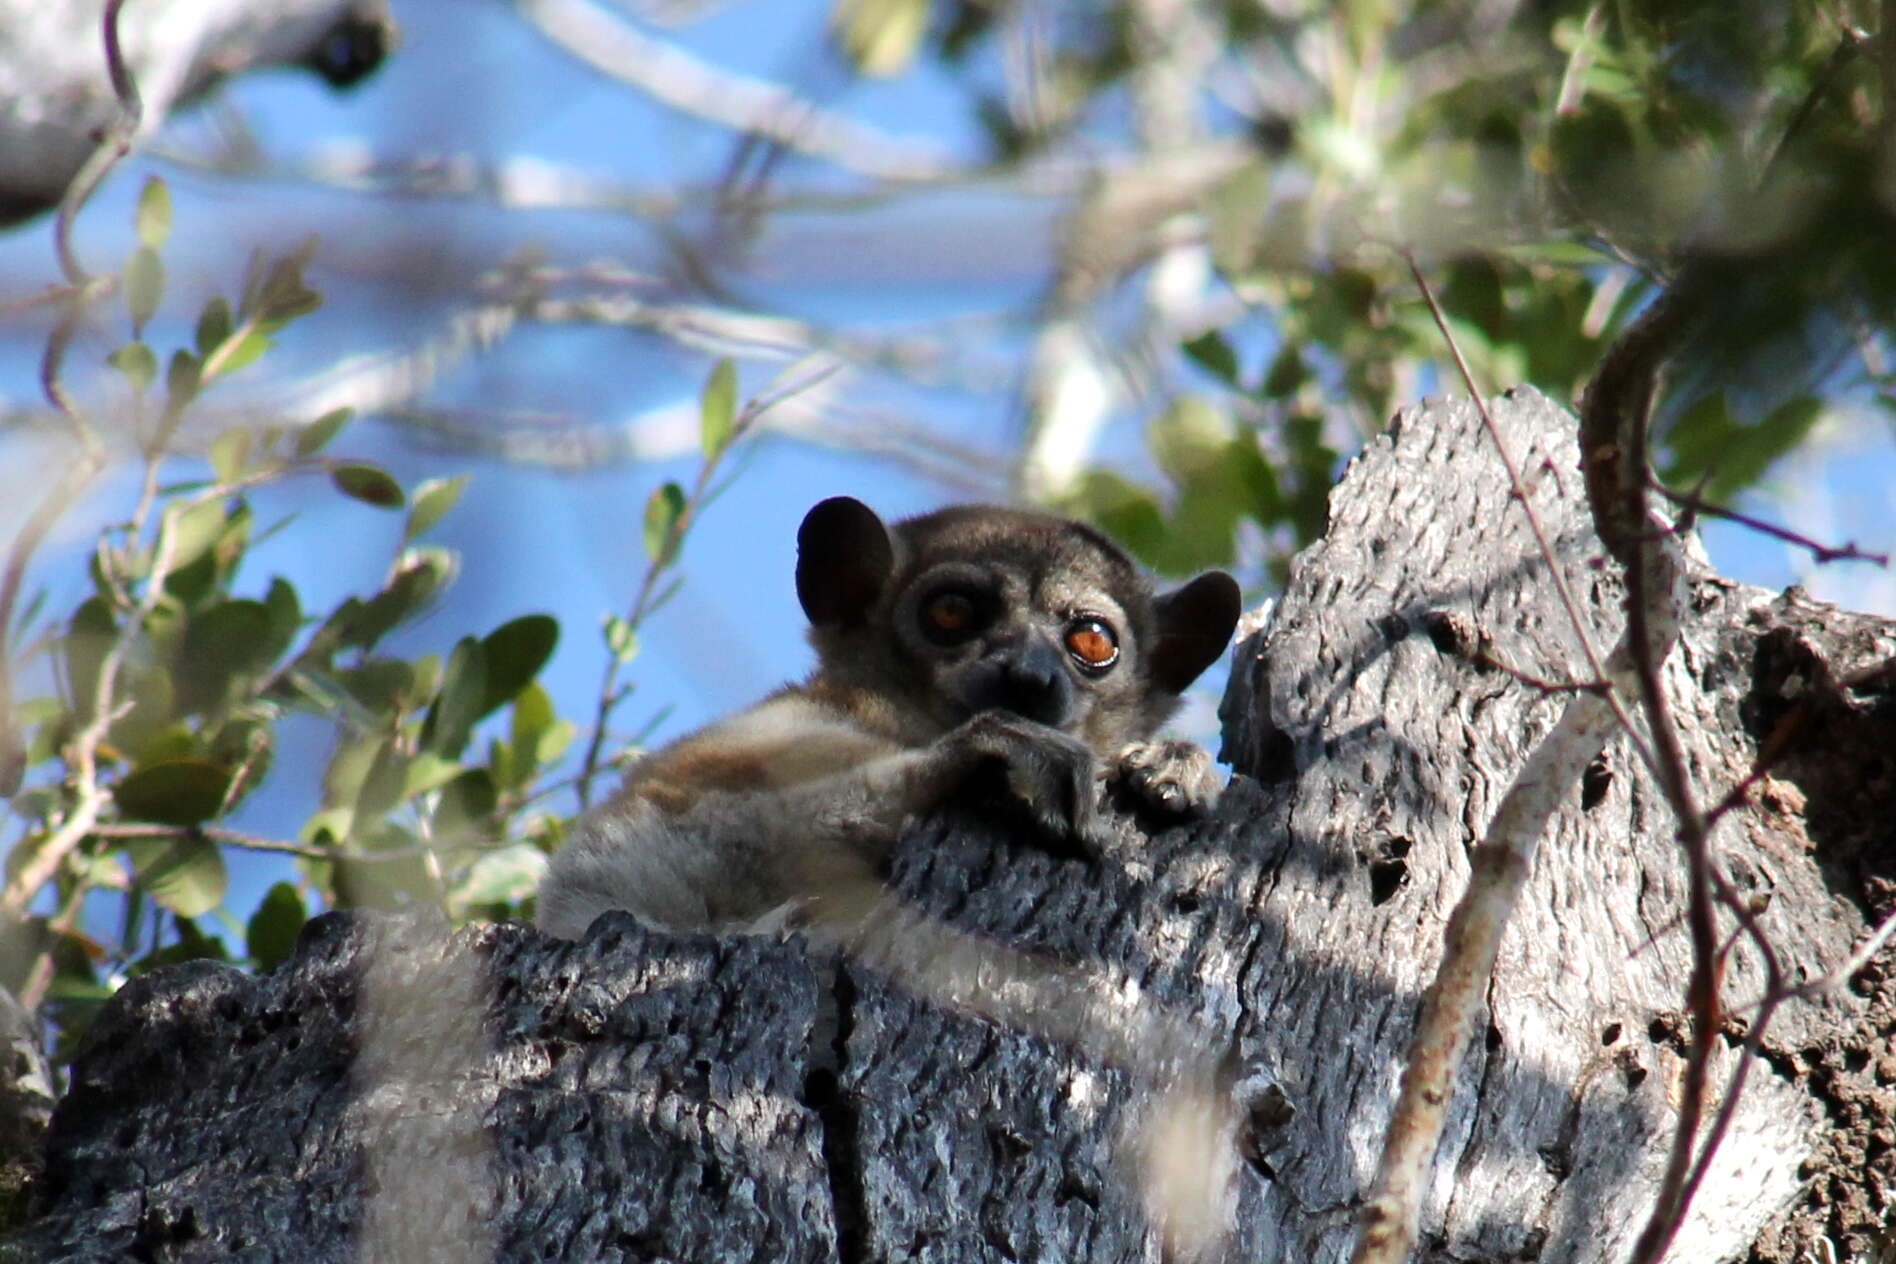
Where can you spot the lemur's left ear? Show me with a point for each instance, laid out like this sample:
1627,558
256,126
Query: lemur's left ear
843,560
1194,625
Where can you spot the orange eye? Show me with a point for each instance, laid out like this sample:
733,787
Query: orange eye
949,615
1092,643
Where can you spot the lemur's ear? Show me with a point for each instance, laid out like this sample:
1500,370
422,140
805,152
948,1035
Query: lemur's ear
844,558
1195,625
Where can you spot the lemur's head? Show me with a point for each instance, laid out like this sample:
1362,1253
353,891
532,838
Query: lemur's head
977,607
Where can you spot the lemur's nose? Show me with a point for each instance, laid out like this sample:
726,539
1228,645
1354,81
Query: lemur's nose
1034,684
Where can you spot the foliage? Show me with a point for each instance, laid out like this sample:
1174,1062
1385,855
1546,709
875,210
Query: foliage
176,672
1548,165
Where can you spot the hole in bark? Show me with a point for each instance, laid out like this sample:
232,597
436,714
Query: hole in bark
1186,902
1633,1073
1558,1161
1493,1038
1386,878
1610,1033
1072,1189
1276,758
1594,783
1009,1147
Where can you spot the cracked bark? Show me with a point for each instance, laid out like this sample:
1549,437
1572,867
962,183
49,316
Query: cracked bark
640,1096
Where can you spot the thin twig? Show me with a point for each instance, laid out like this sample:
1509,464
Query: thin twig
1822,553
649,596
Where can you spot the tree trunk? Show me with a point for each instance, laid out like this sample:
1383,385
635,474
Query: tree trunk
403,1094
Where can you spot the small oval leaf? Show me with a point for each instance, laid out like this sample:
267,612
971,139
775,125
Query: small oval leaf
717,413
153,218
213,325
144,286
368,483
663,513
432,501
136,361
514,653
230,454
238,351
621,638
271,934
459,705
182,379
185,872
314,437
173,792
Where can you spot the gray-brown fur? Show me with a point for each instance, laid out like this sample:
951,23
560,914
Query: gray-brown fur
947,644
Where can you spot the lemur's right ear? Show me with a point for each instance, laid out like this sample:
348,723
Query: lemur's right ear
844,558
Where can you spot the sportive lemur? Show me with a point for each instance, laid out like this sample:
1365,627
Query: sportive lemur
967,642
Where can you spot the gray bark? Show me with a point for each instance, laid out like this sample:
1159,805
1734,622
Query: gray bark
403,1094
55,94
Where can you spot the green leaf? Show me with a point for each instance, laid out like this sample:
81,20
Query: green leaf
89,636
280,296
1286,374
185,872
230,640
663,513
621,638
316,436
273,928
431,502
465,805
286,614
153,218
194,529
241,350
173,792
144,286
717,411
460,703
513,654
430,772
383,686
1708,440
504,876
230,454
1188,439
423,574
136,361
382,785
182,379
1215,355
213,326
881,36
368,483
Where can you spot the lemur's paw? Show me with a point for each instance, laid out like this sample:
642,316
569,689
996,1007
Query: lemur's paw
1171,777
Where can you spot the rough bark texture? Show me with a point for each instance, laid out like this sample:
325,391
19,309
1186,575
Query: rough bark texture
55,95
408,1095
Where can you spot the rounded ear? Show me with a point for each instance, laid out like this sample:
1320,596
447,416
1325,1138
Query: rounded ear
1195,625
843,559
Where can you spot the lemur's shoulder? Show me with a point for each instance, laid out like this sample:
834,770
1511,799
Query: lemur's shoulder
795,735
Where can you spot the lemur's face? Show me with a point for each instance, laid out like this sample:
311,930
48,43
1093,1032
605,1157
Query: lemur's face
974,608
